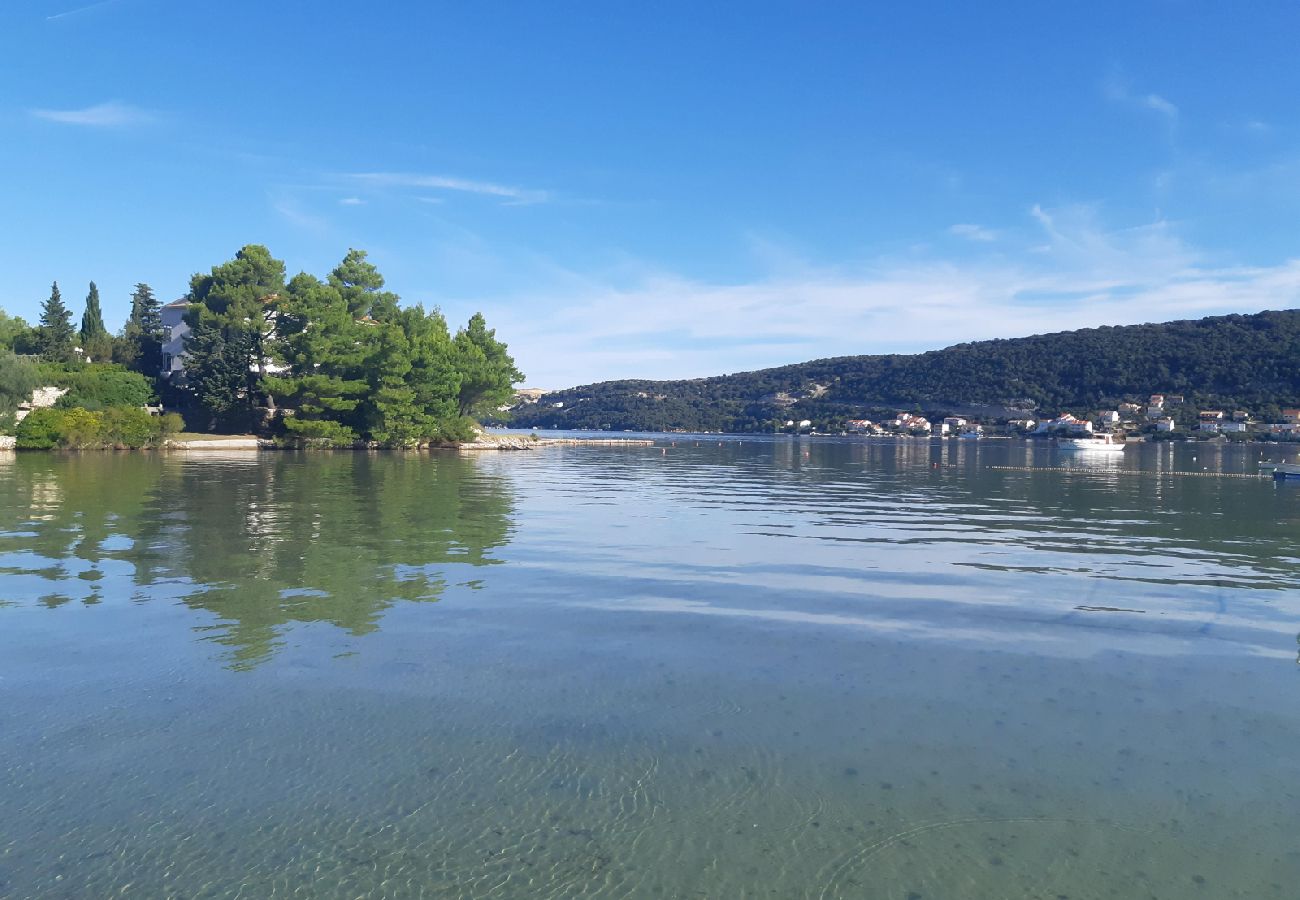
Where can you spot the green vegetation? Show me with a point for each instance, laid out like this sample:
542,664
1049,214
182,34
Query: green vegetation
99,386
120,427
18,378
315,363
96,342
55,337
1231,362
16,336
333,362
139,346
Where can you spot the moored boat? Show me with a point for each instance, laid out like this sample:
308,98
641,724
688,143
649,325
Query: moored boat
1287,471
1103,442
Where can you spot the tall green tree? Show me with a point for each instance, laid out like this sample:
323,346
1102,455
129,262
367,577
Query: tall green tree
96,343
140,346
56,337
319,346
216,376
361,286
236,299
487,371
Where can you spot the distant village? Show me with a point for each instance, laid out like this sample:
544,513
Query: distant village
1163,417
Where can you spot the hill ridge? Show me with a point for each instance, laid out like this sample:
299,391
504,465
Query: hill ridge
1249,361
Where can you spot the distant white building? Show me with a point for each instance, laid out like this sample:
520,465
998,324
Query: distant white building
1064,423
1166,424
1235,427
1110,417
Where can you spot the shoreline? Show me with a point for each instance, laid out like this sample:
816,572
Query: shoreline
255,445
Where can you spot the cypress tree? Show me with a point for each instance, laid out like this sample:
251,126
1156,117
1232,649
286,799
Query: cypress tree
92,320
56,334
95,341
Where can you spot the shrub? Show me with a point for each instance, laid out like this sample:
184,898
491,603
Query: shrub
17,378
81,429
84,429
170,424
126,426
318,433
97,387
41,430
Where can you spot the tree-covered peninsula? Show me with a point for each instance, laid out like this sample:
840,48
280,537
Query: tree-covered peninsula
1233,362
333,361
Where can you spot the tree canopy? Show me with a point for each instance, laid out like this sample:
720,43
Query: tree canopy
139,347
56,339
96,343
340,360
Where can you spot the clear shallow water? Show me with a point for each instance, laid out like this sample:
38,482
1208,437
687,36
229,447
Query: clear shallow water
709,668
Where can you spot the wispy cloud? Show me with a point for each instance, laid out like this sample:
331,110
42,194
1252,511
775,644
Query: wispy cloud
112,114
580,328
290,209
1117,89
80,9
407,180
352,201
973,233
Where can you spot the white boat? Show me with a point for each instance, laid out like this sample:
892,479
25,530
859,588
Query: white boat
1106,443
1286,471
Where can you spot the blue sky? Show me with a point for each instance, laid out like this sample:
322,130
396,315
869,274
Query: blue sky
667,189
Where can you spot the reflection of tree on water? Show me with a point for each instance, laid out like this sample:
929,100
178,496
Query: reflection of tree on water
66,511
336,538
261,543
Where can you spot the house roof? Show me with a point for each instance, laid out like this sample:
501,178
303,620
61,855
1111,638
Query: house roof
176,304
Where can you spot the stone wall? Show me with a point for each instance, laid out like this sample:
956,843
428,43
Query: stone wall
42,398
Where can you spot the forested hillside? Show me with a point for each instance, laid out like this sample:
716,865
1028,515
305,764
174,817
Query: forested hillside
1236,361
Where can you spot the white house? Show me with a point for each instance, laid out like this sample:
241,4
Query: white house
1166,424
1110,417
1065,422
174,331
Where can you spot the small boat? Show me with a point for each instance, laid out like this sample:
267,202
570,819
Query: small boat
1104,442
1286,471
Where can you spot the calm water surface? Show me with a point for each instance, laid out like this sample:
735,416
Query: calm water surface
783,668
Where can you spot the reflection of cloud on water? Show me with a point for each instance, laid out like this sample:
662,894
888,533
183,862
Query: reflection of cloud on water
1061,635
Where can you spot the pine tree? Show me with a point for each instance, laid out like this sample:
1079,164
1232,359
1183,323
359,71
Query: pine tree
488,372
140,346
96,343
57,337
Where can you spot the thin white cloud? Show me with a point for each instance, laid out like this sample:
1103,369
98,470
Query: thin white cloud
1160,105
103,115
352,201
578,329
973,232
288,208
1117,90
407,180
80,9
